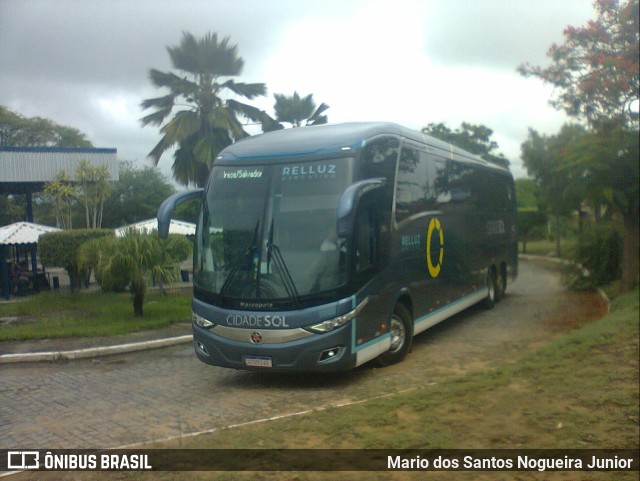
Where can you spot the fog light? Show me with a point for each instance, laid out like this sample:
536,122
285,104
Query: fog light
202,348
328,354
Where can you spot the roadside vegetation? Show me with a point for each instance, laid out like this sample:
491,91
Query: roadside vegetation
64,314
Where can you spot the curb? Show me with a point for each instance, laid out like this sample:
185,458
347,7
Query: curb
51,356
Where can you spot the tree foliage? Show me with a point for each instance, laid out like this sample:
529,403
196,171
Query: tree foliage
542,157
93,188
299,111
596,70
10,210
199,115
19,131
136,196
472,138
62,194
60,249
596,76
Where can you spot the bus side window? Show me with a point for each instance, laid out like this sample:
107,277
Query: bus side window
438,179
379,158
413,191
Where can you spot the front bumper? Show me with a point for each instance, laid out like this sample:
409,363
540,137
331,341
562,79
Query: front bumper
316,352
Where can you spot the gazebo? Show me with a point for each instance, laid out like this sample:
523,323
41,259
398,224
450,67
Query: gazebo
19,239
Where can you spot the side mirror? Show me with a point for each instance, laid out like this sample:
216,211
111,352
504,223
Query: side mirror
348,204
166,209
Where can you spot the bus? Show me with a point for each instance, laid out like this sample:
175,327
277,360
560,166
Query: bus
322,248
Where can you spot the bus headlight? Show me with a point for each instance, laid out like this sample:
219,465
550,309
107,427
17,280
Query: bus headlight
331,324
200,321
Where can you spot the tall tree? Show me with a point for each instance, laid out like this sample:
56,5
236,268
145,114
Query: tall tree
472,138
596,75
136,196
62,194
93,190
299,111
541,156
199,115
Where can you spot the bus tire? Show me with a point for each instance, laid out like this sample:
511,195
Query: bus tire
492,289
400,329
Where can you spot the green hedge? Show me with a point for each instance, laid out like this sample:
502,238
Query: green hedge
60,249
599,251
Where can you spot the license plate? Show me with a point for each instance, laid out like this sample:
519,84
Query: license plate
255,361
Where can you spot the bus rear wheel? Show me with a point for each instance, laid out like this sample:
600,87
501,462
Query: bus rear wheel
401,332
492,289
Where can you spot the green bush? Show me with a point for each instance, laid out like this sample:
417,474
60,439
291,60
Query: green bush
598,252
104,255
93,253
61,249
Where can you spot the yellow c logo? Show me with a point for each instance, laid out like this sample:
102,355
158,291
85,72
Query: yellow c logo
435,225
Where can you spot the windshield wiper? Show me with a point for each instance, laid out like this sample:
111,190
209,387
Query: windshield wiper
273,253
243,255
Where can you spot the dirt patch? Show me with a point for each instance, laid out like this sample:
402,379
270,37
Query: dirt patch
579,309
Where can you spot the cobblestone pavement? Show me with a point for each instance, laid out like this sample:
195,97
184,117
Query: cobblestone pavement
144,396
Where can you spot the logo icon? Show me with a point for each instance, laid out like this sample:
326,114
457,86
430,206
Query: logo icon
256,337
434,269
23,460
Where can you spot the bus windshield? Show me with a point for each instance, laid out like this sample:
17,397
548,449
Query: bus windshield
268,232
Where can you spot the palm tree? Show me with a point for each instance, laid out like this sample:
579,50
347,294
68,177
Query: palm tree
133,260
203,122
63,194
296,110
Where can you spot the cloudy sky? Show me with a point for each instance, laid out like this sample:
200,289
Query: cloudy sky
85,63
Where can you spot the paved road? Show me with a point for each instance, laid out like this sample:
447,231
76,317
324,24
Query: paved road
152,395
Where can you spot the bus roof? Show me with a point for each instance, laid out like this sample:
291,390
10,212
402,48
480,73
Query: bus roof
330,139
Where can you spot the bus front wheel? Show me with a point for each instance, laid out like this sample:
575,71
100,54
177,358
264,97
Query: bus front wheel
401,336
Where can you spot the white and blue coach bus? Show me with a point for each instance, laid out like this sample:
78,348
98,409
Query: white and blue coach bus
324,247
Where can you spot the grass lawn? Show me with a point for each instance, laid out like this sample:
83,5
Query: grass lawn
547,247
63,314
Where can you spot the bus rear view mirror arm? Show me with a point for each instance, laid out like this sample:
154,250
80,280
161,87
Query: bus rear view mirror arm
349,200
165,210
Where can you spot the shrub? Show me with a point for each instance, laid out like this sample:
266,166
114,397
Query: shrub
61,249
598,252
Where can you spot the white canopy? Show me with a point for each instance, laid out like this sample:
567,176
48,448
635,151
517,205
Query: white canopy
23,233
147,226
